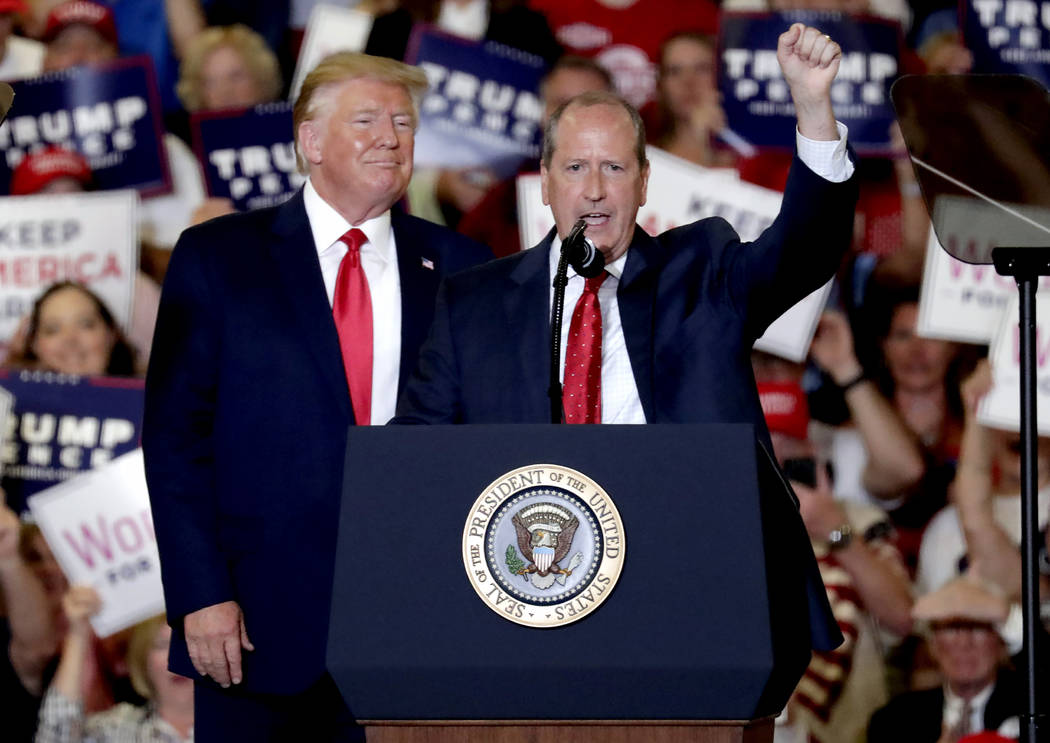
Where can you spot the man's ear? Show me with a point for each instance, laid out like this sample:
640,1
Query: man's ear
543,184
309,138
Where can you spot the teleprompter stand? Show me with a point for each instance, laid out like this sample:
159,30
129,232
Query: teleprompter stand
979,144
703,638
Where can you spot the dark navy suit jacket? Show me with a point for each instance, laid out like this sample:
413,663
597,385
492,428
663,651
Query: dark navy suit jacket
692,302
245,426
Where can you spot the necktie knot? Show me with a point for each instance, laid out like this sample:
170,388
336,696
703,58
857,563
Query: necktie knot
353,239
592,284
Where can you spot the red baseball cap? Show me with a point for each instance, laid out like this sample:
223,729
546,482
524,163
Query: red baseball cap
40,168
83,13
13,6
785,408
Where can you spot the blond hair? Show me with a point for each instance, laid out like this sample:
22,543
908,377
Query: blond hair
252,48
315,97
139,646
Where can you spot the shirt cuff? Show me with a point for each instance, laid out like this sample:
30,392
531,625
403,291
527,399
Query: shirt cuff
826,158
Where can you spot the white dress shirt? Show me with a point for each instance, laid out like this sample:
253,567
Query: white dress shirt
620,400
379,259
954,706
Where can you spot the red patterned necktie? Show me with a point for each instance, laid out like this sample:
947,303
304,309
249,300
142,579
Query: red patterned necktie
582,386
352,311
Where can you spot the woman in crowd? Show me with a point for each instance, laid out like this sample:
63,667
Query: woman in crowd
228,67
168,714
690,114
910,445
71,331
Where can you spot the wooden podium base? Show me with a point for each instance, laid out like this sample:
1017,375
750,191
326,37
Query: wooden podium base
577,731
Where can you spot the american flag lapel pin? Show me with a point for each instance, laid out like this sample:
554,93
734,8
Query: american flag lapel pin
427,263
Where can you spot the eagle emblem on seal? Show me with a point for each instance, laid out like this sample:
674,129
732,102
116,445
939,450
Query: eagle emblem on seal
544,535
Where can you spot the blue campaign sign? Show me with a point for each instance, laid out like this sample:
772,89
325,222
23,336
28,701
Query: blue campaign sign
110,114
1008,36
62,425
483,108
248,155
757,100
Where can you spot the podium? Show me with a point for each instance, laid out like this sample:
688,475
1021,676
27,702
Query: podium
703,637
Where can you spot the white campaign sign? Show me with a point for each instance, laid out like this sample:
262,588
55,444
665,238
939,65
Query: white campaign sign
961,301
100,528
90,238
679,193
1001,407
331,29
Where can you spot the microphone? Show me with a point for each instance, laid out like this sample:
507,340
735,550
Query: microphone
581,253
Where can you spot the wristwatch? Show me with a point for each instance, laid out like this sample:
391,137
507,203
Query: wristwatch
840,537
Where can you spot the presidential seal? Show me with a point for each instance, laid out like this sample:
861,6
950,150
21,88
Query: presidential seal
543,545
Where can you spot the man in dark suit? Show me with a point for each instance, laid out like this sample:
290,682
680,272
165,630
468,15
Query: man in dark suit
673,318
679,311
971,627
277,330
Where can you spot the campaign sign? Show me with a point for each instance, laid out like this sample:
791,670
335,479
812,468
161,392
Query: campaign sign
679,193
483,108
331,29
100,528
63,425
248,155
110,114
1008,36
1001,407
90,238
757,99
962,301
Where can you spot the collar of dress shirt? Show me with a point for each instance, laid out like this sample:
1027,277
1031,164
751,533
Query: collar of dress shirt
328,225
615,269
953,703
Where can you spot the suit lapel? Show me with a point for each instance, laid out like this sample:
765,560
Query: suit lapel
299,272
418,284
527,308
636,296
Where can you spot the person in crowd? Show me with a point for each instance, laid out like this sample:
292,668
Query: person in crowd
624,36
79,32
82,32
27,633
982,526
444,195
863,573
920,378
877,453
494,221
968,622
329,294
19,57
71,331
227,67
54,170
691,113
166,718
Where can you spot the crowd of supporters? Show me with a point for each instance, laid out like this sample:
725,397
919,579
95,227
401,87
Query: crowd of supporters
912,505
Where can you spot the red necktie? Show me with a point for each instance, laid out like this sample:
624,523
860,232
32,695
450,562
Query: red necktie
582,386
352,311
